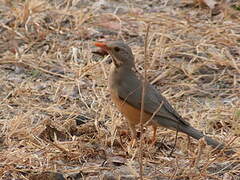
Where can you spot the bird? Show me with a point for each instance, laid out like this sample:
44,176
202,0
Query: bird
125,86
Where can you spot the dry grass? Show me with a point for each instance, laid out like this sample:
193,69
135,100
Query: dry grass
49,79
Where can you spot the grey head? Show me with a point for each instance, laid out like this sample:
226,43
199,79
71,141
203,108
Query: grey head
120,52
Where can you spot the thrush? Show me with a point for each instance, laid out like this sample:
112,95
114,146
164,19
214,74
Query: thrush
126,86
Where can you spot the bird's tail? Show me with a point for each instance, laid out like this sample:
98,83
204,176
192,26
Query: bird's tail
196,134
191,131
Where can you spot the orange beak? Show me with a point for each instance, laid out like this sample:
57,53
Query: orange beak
102,45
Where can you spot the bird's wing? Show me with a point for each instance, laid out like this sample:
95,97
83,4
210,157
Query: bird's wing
130,90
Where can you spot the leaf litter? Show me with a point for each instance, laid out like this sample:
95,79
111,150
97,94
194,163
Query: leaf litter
56,117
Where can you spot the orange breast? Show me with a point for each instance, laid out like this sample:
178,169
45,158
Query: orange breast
130,112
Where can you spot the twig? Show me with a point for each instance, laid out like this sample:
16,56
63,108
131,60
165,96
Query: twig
142,101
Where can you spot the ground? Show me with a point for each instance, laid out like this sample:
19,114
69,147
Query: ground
55,111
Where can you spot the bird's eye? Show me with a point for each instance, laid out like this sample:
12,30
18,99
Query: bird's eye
116,49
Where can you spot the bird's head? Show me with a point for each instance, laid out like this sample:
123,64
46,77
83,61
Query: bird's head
120,53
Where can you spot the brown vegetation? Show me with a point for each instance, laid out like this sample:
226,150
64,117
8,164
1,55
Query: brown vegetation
55,111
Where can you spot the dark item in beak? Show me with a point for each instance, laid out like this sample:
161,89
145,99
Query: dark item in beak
102,51
99,52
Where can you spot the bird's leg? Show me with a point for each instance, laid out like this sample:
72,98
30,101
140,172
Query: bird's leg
175,142
133,135
153,139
